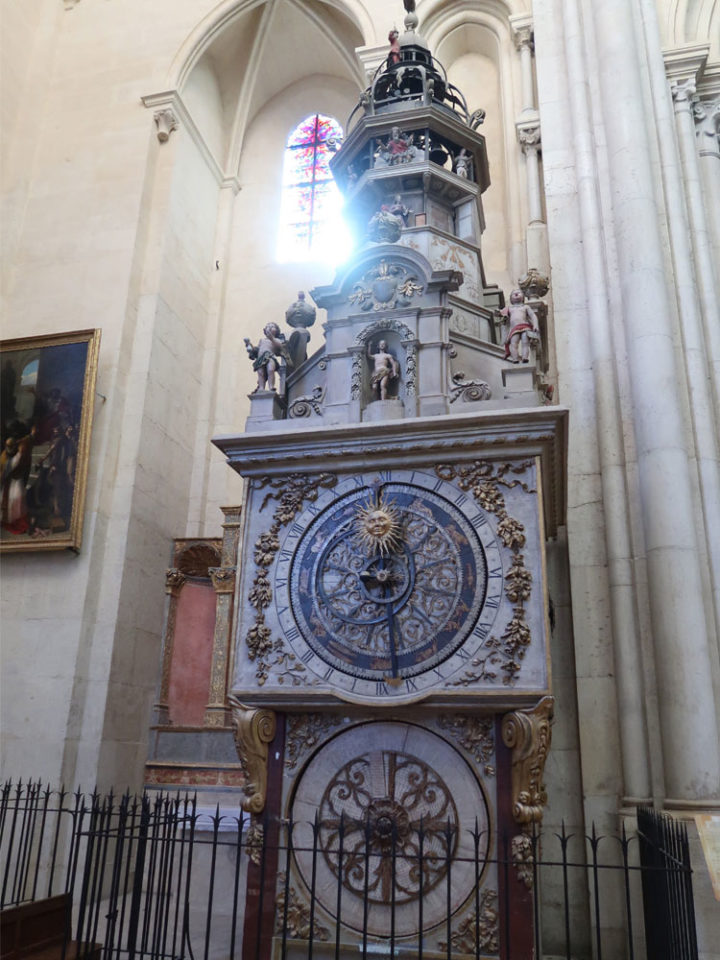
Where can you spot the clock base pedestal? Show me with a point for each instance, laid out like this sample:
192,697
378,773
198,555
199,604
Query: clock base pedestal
381,410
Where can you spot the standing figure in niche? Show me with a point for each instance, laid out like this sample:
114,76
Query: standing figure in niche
268,356
385,369
462,164
521,323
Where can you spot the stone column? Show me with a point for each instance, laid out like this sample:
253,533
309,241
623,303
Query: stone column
523,37
174,580
707,132
688,721
223,580
598,335
683,91
528,132
703,406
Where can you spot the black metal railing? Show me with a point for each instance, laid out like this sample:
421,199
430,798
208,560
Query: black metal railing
159,876
667,888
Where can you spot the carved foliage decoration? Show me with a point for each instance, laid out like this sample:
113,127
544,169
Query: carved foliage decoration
303,732
254,730
291,493
474,734
523,858
295,919
528,733
485,481
477,931
255,840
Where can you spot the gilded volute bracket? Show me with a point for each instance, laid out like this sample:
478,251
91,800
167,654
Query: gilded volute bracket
254,731
528,734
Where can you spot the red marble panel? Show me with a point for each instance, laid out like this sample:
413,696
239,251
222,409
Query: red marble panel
192,654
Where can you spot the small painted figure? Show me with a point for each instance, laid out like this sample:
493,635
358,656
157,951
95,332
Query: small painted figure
268,356
385,369
394,55
398,209
398,149
521,323
462,164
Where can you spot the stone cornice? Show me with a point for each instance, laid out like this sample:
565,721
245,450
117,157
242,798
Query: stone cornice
686,62
414,441
170,100
708,87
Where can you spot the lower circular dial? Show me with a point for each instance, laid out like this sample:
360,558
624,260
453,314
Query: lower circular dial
409,805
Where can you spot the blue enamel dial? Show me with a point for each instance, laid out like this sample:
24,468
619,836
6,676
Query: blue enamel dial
388,582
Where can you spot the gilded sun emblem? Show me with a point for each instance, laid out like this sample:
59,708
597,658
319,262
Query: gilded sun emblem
378,527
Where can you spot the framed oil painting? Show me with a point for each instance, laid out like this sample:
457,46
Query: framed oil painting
47,392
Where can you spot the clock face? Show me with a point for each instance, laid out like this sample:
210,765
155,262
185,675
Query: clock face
388,583
397,789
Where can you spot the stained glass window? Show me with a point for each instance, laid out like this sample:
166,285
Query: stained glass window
311,227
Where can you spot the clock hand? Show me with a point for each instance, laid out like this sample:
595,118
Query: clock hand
393,679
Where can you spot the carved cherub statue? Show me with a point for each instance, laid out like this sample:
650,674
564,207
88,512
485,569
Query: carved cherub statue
268,356
521,325
385,369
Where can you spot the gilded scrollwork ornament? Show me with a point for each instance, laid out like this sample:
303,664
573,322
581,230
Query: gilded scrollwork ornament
291,494
486,480
528,733
254,730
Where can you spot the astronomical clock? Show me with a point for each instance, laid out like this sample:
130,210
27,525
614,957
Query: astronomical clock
390,680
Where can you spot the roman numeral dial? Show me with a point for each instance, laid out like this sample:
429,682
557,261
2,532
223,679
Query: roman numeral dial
388,583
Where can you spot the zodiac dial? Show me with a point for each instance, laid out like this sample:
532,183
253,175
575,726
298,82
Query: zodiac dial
389,586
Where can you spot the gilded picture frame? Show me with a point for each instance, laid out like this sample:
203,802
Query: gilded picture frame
47,395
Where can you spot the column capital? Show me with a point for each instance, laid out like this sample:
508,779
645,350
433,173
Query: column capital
174,579
166,121
706,114
223,578
522,31
528,134
683,91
